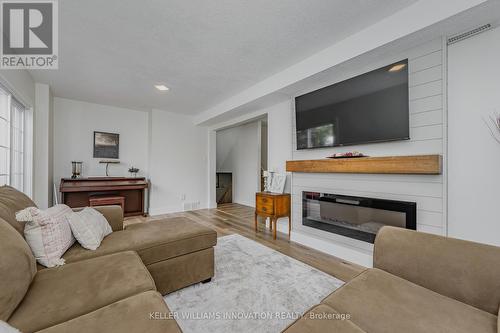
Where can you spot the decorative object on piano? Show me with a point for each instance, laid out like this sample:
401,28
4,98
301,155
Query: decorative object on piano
108,162
133,171
349,154
106,145
76,169
274,182
493,123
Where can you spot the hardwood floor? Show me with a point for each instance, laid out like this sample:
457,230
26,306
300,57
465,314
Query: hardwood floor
230,219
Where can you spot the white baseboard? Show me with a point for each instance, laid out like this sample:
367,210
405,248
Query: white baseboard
353,255
245,203
167,210
162,210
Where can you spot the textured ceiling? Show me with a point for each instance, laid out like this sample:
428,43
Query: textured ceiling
114,51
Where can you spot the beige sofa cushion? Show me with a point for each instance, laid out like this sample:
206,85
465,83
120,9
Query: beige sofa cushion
17,269
154,241
322,318
129,315
12,201
381,302
465,271
62,293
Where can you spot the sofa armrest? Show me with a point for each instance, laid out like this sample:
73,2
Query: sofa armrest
114,215
466,271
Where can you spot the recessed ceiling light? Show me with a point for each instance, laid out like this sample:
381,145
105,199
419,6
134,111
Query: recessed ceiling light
161,87
397,68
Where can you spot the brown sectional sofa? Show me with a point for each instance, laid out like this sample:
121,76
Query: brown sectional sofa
420,283
113,289
176,251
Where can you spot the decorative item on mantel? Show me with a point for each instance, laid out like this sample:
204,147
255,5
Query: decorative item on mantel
108,162
493,123
349,154
133,171
76,169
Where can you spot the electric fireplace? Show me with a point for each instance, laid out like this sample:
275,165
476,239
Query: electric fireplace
355,217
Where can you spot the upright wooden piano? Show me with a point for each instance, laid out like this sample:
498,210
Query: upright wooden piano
76,192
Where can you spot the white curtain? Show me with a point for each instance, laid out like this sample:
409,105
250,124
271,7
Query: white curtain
15,143
4,137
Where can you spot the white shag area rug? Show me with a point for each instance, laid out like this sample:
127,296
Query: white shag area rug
255,289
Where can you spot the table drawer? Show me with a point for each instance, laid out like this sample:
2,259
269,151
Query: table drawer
265,205
264,201
265,209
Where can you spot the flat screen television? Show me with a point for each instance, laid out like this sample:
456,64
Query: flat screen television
372,107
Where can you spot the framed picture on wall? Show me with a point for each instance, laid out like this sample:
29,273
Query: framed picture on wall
106,145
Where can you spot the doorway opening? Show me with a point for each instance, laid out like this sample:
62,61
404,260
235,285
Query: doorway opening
241,158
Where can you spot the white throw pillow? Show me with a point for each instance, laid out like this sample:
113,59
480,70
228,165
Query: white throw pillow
6,328
47,232
89,227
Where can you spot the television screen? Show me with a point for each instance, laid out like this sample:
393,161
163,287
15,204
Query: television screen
372,107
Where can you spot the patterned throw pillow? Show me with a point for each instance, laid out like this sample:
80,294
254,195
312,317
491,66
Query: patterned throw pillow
48,233
89,227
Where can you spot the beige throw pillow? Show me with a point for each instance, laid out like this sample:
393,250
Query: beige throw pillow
47,232
89,227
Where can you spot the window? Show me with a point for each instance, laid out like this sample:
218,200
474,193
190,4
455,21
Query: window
15,143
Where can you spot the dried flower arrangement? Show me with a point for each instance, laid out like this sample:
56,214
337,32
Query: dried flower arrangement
493,123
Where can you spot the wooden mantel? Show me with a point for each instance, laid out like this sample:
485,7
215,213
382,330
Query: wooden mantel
418,165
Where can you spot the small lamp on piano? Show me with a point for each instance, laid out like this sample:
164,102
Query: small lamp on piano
76,169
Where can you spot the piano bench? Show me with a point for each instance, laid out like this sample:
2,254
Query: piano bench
106,200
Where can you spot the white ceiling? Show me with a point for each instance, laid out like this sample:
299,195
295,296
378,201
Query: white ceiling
114,51
359,53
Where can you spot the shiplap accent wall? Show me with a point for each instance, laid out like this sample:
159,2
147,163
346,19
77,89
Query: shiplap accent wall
427,126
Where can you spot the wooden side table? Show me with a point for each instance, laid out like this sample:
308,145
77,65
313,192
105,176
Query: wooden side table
274,206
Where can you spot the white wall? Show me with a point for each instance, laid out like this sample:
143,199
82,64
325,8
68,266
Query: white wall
474,156
21,84
166,147
178,163
238,151
263,144
212,168
74,126
279,120
43,148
